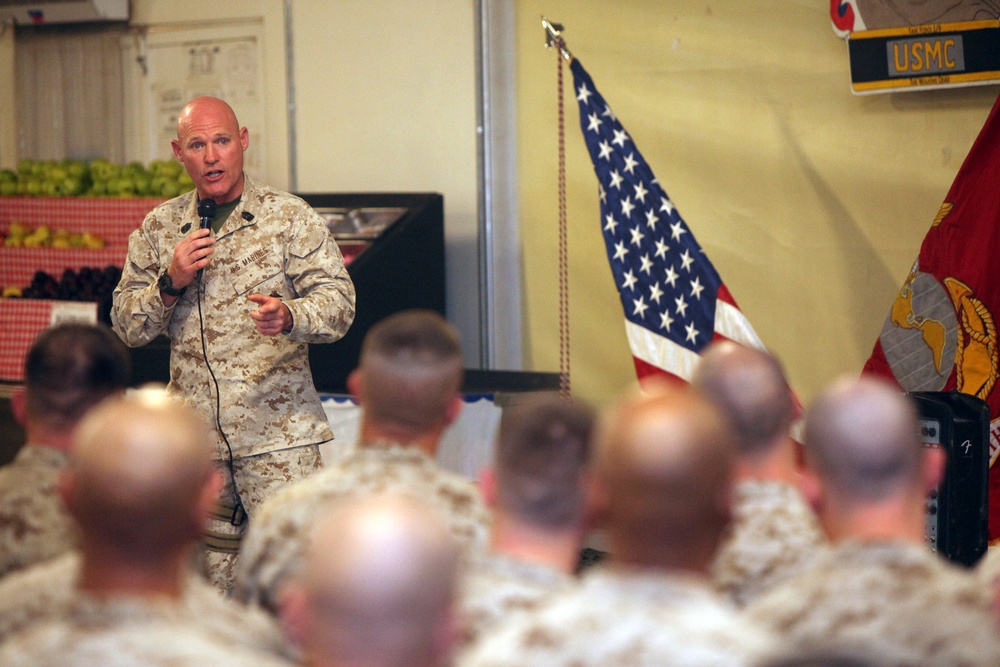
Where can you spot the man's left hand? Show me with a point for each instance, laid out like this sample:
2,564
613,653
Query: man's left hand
272,317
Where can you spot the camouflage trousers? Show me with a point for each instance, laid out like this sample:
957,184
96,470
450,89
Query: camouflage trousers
257,478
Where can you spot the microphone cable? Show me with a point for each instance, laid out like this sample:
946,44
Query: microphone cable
239,511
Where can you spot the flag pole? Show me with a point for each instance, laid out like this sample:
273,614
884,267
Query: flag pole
553,37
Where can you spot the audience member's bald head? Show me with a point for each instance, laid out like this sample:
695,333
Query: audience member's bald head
666,461
380,580
750,388
69,369
541,457
410,370
861,440
139,471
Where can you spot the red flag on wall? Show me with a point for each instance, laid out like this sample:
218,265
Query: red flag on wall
941,332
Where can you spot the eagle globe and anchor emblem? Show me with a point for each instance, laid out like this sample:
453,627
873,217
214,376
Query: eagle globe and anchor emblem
936,327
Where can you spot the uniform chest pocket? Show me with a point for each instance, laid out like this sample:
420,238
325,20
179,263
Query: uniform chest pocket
261,274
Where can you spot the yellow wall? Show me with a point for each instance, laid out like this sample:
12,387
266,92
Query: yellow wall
810,202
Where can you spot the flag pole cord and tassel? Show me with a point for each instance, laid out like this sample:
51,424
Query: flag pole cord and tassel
553,38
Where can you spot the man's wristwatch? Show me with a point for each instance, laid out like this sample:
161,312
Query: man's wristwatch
166,285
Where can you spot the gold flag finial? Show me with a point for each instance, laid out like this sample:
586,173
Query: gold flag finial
553,37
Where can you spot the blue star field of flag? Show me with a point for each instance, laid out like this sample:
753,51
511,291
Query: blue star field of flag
665,282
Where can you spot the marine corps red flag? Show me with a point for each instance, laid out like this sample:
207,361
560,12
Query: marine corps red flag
941,333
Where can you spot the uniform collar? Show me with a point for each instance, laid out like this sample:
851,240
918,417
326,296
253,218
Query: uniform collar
249,207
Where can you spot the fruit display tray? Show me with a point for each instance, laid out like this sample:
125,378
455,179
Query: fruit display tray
110,218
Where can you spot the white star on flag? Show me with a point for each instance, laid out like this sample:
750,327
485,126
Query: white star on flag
655,293
637,236
630,280
595,122
611,223
696,289
686,260
630,163
681,306
606,150
627,206
672,276
676,230
640,192
651,219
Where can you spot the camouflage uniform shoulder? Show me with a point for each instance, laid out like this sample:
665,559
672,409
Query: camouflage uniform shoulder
231,621
164,644
34,526
276,539
37,593
375,468
773,535
494,586
260,196
892,598
164,215
617,618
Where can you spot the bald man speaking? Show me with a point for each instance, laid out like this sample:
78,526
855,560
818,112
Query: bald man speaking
240,299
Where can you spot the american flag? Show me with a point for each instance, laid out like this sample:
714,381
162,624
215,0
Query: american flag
673,299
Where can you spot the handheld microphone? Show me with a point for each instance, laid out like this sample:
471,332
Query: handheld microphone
206,211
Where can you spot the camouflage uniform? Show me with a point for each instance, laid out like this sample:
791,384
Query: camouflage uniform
123,630
621,617
275,544
34,526
773,534
273,244
268,400
493,586
893,599
47,592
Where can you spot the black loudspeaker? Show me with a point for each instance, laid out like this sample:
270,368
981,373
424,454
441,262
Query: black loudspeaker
957,525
